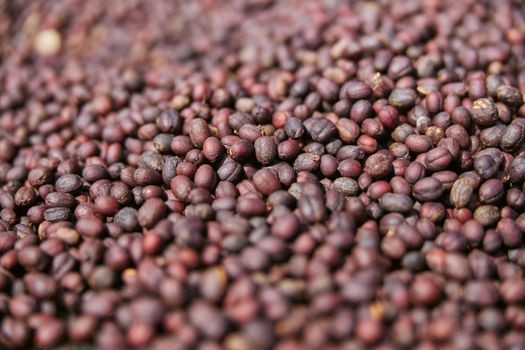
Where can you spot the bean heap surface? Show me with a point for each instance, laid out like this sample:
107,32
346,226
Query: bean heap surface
258,174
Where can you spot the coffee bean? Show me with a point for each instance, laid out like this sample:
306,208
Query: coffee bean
230,170
379,165
438,159
57,214
509,95
487,215
393,202
40,285
509,232
67,235
320,129
461,192
126,218
169,121
58,199
68,183
512,137
312,208
49,333
402,98
480,293
265,150
151,212
484,112
266,181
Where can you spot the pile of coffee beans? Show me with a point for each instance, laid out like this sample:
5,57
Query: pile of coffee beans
262,174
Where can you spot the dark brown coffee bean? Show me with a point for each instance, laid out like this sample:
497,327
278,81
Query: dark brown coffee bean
414,172
126,218
517,169
491,137
181,186
25,196
306,162
288,149
40,285
402,98
94,172
107,205
69,183
58,199
347,167
461,192
162,143
491,191
484,112
425,291
509,95
241,150
265,150
81,328
487,215
418,143
512,137
169,169
393,202
230,170
151,160
513,291
356,90
32,258
327,89
515,198
198,131
169,121
67,235
456,266
212,149
399,67
294,128
312,208
509,232
428,189
49,333
379,165
90,227
480,293
393,247
208,320
39,176
145,177
151,212
346,186
250,206
181,144
266,181
320,129
438,159
57,214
